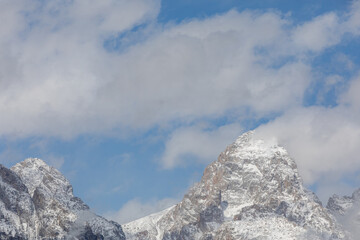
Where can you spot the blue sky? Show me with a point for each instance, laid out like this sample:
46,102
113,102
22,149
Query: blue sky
132,99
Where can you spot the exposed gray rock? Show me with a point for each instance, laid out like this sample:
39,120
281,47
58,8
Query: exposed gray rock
18,219
37,202
346,209
253,191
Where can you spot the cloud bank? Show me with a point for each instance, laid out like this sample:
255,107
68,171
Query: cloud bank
57,74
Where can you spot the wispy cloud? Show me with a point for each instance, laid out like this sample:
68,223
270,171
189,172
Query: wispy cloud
135,209
198,143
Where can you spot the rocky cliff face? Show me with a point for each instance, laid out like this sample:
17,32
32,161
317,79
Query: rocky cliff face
253,191
18,219
37,202
347,211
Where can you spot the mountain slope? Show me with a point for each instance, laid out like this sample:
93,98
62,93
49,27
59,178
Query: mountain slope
253,191
347,211
18,219
37,202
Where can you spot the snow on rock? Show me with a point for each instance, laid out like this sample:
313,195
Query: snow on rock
253,191
37,202
52,196
18,218
346,209
145,228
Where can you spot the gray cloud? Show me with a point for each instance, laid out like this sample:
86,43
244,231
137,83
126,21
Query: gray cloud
65,83
53,61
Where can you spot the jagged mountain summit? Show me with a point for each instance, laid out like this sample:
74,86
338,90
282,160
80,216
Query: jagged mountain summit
37,202
253,191
346,210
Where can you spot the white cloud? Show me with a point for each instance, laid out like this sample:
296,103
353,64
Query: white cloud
353,22
64,83
113,16
321,140
10,155
55,161
352,96
53,62
57,79
328,29
321,32
334,84
135,209
201,144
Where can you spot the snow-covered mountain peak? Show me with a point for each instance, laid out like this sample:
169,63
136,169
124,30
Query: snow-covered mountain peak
252,171
34,162
60,215
36,173
248,145
253,184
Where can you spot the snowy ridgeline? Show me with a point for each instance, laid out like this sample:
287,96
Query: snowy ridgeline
253,191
